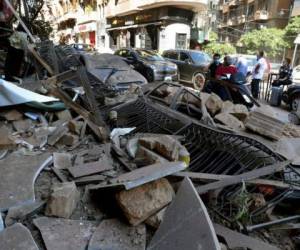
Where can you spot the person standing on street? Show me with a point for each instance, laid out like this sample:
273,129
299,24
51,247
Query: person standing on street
242,66
214,65
258,73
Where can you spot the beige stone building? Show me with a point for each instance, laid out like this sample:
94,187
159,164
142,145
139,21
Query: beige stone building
239,16
152,24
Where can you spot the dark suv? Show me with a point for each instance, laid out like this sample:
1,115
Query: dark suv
192,65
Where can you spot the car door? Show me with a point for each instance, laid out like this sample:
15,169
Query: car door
185,66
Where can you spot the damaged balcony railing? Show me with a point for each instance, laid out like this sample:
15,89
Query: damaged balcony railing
214,152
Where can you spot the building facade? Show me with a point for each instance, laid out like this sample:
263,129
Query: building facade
152,24
239,16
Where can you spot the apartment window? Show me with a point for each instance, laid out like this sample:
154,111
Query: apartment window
180,42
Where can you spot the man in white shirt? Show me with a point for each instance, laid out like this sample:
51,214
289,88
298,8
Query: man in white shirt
258,74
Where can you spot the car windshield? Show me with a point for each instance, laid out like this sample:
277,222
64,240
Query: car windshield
200,58
149,55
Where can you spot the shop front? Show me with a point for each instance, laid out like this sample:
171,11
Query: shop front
86,33
157,29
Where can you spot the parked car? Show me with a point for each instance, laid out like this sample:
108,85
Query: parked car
292,96
81,47
296,75
112,71
192,65
149,63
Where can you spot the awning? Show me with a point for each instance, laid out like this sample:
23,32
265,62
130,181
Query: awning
133,26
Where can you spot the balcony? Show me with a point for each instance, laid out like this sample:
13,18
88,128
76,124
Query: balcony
261,15
127,7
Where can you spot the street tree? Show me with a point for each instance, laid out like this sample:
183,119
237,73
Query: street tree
292,29
213,46
270,40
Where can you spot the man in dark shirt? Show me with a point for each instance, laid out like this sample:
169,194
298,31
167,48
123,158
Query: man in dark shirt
214,65
285,74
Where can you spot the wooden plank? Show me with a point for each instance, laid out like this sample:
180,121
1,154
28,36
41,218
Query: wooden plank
251,175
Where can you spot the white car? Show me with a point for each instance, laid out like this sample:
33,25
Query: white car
296,75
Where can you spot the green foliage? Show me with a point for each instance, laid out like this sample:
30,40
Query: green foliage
270,40
213,36
292,29
221,48
42,29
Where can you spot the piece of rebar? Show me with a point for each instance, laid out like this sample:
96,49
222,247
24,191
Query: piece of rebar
272,223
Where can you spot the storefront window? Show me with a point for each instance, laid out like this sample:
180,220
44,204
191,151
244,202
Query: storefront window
181,40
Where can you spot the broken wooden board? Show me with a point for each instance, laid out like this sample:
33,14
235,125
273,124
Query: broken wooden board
17,237
251,175
90,168
93,179
64,234
113,234
141,176
195,176
18,175
5,141
237,240
186,223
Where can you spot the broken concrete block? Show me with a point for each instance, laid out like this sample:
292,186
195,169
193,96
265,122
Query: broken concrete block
63,200
155,220
22,125
68,139
140,203
186,224
5,141
227,107
166,146
62,234
265,125
240,111
214,104
75,126
18,175
20,213
229,121
113,234
64,115
56,135
17,237
12,115
148,156
62,160
90,168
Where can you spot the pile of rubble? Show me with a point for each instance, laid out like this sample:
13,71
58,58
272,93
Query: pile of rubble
161,168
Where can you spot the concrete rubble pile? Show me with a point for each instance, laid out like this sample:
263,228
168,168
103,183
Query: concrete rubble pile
162,168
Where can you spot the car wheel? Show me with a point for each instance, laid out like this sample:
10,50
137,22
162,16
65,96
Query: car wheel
150,75
199,81
295,102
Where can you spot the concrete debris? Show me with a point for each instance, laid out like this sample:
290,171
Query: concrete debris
18,177
63,200
155,220
214,104
62,160
165,145
141,176
64,116
75,126
186,223
68,139
140,203
6,142
12,115
22,125
113,234
56,135
265,125
238,110
17,237
149,157
236,240
20,213
65,234
230,121
90,168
